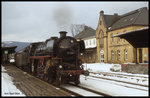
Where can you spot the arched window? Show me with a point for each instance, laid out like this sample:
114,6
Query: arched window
101,40
101,55
101,34
125,54
118,55
100,22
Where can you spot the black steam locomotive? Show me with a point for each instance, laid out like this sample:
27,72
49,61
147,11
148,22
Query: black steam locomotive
55,60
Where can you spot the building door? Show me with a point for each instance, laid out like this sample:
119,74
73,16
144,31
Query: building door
140,55
101,55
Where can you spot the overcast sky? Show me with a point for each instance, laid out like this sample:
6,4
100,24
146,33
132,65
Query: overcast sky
37,21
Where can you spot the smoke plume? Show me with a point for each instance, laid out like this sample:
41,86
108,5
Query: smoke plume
62,15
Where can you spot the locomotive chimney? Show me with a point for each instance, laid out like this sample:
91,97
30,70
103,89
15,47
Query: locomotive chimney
62,34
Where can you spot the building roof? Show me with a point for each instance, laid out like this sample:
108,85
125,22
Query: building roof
134,37
109,19
10,49
136,17
87,32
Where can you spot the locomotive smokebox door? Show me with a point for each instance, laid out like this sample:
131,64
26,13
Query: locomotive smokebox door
62,34
82,46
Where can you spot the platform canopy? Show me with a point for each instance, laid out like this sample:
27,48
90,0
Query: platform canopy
8,50
137,38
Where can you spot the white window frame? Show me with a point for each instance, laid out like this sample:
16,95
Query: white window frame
101,55
112,55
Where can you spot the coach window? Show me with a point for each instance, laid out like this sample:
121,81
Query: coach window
50,43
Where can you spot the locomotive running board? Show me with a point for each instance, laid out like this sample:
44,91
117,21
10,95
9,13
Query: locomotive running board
39,57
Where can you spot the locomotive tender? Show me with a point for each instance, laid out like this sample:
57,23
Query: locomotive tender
55,60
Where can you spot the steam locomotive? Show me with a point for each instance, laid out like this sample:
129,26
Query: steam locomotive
56,60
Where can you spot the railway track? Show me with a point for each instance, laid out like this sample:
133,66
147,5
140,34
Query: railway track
71,88
78,90
124,83
118,74
29,85
85,91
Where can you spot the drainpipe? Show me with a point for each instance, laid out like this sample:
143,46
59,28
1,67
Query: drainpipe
107,45
136,55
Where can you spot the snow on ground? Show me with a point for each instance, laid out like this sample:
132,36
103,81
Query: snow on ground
105,86
106,67
8,88
101,67
111,87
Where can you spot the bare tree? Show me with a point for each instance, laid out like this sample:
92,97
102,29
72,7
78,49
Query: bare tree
76,28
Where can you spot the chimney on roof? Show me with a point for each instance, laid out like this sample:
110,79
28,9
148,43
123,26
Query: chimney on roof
115,17
101,12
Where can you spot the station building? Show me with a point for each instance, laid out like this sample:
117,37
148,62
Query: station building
112,49
89,36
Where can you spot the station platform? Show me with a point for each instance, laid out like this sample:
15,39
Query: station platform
32,86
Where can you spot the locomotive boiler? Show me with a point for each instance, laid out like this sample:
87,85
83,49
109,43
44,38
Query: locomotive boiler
55,60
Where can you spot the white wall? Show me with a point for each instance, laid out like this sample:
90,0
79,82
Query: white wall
90,43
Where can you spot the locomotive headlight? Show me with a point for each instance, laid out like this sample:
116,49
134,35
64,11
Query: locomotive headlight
60,66
71,41
82,67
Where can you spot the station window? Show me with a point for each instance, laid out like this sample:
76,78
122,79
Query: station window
118,40
94,42
112,55
101,34
86,43
125,54
112,40
90,42
102,57
118,55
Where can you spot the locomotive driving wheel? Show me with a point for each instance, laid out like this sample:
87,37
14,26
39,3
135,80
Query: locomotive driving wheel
77,81
40,71
58,79
48,71
46,77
